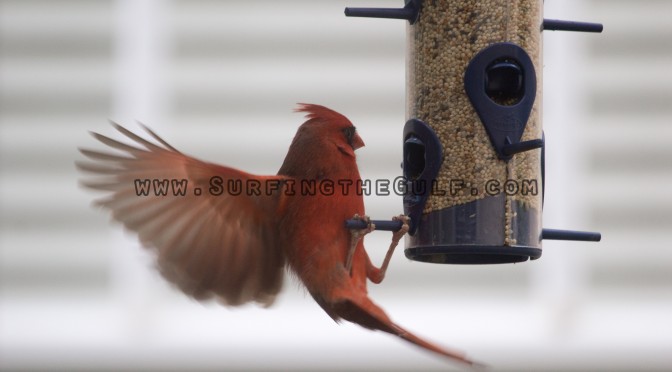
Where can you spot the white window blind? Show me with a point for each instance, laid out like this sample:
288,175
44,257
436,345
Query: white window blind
218,80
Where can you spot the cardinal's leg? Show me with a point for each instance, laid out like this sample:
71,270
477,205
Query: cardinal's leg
377,275
355,236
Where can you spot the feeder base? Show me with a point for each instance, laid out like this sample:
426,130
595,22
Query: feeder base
472,254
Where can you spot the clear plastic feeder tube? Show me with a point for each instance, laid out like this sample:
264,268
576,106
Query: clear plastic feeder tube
485,206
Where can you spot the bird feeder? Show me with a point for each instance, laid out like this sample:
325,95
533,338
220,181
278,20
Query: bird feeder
473,141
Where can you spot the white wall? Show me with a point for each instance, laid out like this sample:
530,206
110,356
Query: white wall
218,79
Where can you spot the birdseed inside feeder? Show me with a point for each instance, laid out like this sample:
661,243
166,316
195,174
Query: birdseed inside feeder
473,140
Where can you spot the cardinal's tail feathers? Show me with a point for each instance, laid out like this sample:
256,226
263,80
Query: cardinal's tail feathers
363,311
453,354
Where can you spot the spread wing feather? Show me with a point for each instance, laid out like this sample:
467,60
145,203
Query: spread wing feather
208,244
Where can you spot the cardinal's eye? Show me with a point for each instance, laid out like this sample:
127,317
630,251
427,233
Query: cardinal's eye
349,133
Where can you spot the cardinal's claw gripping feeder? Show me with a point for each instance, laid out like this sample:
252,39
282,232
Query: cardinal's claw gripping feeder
473,139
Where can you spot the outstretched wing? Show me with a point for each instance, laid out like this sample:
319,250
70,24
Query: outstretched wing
212,236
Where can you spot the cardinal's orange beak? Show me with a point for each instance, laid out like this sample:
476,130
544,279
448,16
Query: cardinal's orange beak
357,141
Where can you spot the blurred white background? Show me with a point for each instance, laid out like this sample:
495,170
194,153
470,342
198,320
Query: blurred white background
218,79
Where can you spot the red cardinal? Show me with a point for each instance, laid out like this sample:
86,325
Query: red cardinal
231,234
